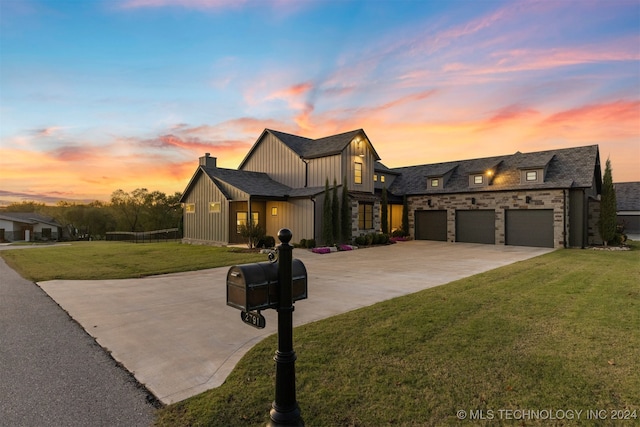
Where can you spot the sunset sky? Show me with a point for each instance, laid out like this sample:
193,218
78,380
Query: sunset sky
97,96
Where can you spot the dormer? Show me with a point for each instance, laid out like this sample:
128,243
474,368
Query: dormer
533,167
439,176
481,173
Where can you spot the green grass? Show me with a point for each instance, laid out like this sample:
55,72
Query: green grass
118,260
560,332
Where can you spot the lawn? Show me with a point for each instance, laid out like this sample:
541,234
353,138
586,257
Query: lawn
119,260
558,333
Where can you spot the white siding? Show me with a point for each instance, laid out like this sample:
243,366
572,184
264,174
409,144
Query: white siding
278,161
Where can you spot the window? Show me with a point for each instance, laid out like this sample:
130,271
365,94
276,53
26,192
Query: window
365,216
357,177
46,233
214,207
478,179
435,182
531,176
254,218
375,177
241,221
274,211
190,208
381,178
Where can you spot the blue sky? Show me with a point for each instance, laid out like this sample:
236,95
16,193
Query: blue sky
101,95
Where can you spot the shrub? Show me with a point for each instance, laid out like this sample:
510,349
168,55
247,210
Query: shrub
311,243
303,243
361,240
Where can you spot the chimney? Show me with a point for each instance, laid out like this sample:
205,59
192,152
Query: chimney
208,161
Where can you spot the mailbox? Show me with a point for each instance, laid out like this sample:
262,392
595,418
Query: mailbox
254,286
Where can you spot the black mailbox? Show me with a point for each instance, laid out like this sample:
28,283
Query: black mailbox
254,286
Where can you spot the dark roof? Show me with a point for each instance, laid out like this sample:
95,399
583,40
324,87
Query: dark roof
379,167
314,148
566,168
627,196
29,218
253,183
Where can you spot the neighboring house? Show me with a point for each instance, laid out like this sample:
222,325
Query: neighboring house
628,206
544,199
28,226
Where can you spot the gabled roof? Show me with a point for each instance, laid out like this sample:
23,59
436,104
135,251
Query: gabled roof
566,168
307,148
627,196
379,167
254,184
29,218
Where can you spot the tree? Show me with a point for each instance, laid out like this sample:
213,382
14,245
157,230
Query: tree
384,215
129,207
405,216
608,219
335,212
345,213
327,226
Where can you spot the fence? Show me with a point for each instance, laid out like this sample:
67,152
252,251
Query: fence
168,235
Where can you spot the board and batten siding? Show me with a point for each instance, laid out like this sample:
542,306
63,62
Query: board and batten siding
323,168
351,155
295,214
278,161
203,226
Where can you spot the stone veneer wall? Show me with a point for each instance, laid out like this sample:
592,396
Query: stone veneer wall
499,201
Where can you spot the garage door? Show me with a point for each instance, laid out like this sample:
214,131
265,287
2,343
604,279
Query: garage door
431,225
529,228
477,226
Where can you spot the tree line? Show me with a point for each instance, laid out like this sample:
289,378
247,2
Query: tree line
138,210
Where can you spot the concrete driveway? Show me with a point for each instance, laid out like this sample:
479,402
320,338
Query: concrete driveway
176,334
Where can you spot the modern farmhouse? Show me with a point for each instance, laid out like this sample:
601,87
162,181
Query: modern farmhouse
546,199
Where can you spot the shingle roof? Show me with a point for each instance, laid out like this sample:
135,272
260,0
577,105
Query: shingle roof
566,168
627,196
253,183
314,148
29,218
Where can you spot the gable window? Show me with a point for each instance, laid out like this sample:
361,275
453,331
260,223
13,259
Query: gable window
531,176
478,179
365,216
357,177
214,207
190,208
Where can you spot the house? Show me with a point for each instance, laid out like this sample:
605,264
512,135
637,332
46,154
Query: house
28,226
628,206
547,198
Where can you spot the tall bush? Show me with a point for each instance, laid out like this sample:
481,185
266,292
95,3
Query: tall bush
345,213
335,212
405,216
384,215
327,226
608,218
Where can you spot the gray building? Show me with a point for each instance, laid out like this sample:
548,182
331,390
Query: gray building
547,198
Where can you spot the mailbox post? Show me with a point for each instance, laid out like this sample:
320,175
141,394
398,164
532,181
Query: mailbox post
285,409
259,286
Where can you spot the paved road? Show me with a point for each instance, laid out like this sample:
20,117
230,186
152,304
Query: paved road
52,373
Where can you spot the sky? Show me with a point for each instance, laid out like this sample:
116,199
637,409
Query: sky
97,96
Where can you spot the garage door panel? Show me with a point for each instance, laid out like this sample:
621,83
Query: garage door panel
431,225
532,227
476,226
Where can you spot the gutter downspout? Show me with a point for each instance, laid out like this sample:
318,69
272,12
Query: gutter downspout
306,172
